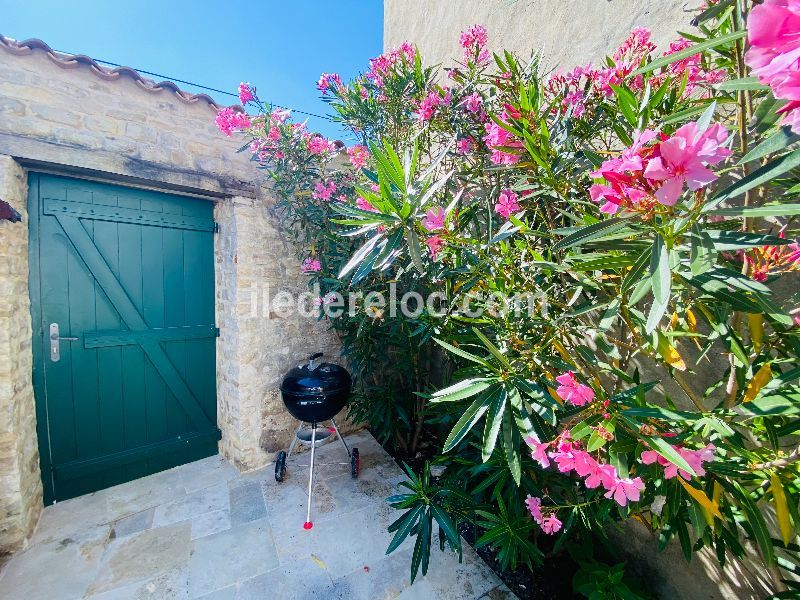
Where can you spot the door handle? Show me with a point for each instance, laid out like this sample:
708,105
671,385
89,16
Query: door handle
55,339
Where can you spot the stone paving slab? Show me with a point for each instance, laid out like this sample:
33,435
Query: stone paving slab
203,530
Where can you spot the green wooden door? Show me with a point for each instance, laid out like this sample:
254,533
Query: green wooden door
129,274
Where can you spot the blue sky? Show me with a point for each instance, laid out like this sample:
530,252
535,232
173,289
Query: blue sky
281,47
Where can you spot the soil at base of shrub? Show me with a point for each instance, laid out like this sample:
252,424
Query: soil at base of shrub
552,580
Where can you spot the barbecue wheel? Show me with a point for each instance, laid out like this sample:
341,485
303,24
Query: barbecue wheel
280,466
355,463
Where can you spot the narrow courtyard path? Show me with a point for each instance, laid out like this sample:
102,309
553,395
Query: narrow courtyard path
203,530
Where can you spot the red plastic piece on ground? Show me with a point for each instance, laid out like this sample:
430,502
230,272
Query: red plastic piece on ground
308,525
332,429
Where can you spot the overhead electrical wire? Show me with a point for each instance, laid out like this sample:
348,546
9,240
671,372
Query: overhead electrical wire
203,87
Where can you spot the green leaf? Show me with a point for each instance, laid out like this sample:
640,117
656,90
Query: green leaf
661,281
754,518
705,119
735,240
592,232
604,263
447,525
773,405
776,142
494,420
774,209
461,390
471,416
712,11
413,248
703,253
690,51
758,177
461,353
491,347
511,442
637,271
743,84
422,550
360,255
596,441
627,103
403,527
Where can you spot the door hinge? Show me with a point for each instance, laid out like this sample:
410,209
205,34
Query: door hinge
216,227
216,331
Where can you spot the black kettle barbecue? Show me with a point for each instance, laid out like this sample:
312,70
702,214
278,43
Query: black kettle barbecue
314,393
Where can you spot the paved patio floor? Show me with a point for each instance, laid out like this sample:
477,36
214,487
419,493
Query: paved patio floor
203,530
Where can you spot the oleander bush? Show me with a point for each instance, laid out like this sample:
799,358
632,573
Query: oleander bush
589,245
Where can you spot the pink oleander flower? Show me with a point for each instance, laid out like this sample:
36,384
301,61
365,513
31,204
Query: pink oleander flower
507,204
689,68
474,41
626,187
465,145
473,102
796,319
319,145
550,525
327,81
564,456
328,298
435,244
324,191
246,93
683,159
573,391
428,105
434,219
280,115
626,489
602,474
274,134
365,205
310,265
539,452
383,65
229,119
359,155
534,507
694,458
497,139
774,55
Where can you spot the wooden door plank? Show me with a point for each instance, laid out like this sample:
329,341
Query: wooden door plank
109,360
124,337
175,316
55,294
134,393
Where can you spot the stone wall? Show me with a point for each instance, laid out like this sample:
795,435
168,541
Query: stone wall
20,484
259,342
70,117
566,32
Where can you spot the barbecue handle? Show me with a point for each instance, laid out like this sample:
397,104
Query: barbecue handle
316,355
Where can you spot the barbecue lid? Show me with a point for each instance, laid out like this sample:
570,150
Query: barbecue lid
310,379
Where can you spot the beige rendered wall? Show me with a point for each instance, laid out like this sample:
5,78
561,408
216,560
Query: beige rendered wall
66,117
567,32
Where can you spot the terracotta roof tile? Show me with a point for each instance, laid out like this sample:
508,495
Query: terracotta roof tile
71,61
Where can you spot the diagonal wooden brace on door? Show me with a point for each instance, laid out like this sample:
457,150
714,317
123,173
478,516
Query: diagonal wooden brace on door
133,319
